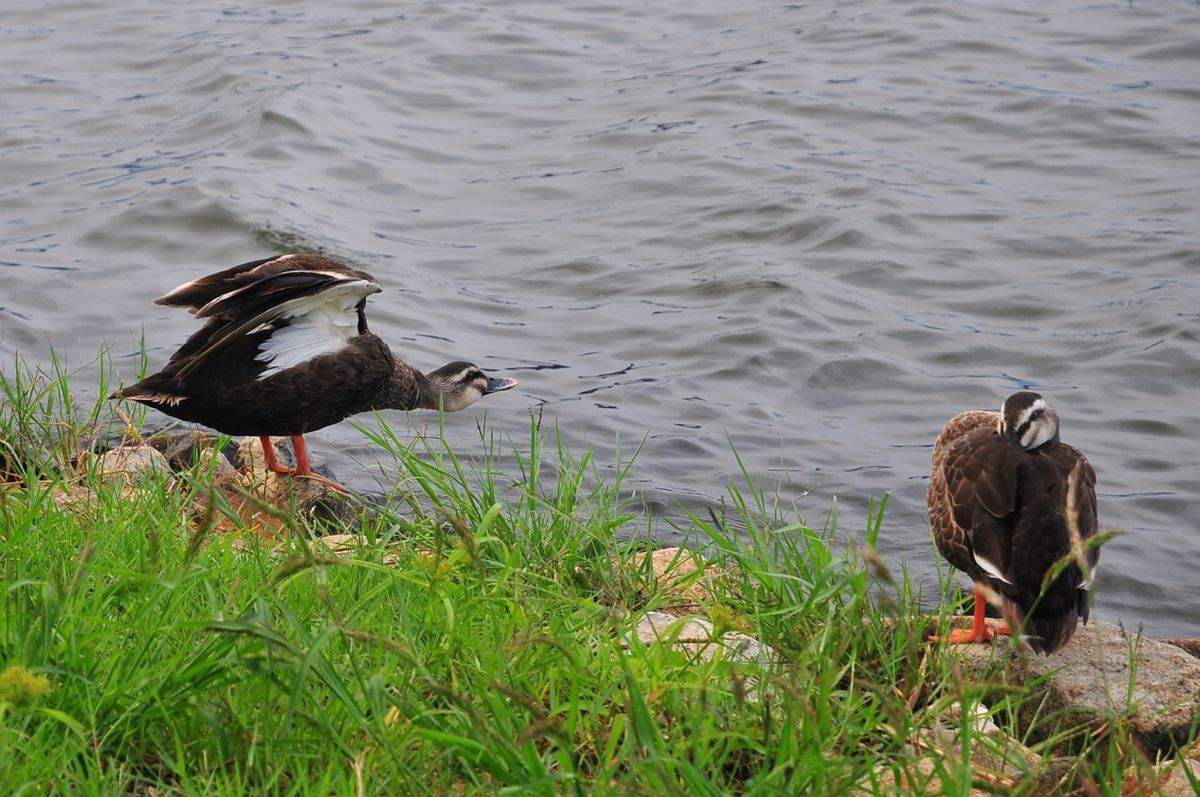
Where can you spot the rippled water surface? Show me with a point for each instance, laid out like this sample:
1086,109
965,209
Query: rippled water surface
815,230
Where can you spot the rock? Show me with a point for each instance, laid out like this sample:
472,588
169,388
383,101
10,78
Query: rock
998,764
184,449
1002,757
342,545
910,776
1190,645
131,464
250,460
75,496
345,545
250,457
674,569
305,498
1089,680
1177,777
697,638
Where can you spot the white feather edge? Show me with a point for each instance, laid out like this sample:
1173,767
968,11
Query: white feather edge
1072,515
170,399
323,324
208,309
170,296
990,568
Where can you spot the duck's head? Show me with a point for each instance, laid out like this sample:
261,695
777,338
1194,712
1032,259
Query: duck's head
1028,420
460,384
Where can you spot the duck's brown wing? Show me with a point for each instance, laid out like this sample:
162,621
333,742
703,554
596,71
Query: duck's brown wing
248,278
973,493
1070,483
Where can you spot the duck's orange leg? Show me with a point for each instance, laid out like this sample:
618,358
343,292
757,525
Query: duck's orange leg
302,467
979,630
272,460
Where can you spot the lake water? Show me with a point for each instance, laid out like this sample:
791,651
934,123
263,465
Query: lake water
813,230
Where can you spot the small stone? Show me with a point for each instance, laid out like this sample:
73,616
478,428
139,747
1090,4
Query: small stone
1178,778
185,449
981,721
1001,754
1052,777
344,545
697,638
250,457
1190,645
918,775
674,569
131,464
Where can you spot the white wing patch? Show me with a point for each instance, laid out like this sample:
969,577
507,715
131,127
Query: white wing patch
990,568
321,324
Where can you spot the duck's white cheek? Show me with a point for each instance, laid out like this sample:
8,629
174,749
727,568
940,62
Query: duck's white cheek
1037,435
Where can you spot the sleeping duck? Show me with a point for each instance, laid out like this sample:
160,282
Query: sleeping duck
1006,500
285,350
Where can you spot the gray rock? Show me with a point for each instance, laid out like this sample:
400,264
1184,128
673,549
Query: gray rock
1091,680
250,455
307,498
131,464
917,774
1192,646
184,449
697,638
683,575
1178,778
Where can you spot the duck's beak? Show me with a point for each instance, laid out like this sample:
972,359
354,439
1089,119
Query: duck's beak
497,383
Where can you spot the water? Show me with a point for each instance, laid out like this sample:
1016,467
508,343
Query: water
815,231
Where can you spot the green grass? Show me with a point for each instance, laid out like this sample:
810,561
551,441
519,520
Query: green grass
478,641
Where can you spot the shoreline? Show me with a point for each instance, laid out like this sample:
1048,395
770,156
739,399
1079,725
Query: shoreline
482,630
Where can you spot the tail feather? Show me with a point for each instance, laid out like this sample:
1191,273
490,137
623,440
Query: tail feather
1046,629
154,391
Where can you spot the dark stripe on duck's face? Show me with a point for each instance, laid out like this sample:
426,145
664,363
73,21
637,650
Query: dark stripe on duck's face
1030,417
466,376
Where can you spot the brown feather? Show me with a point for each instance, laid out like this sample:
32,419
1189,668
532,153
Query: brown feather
991,500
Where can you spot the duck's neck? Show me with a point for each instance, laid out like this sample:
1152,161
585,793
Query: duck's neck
409,389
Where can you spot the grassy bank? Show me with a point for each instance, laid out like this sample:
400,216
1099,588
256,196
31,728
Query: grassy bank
478,640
